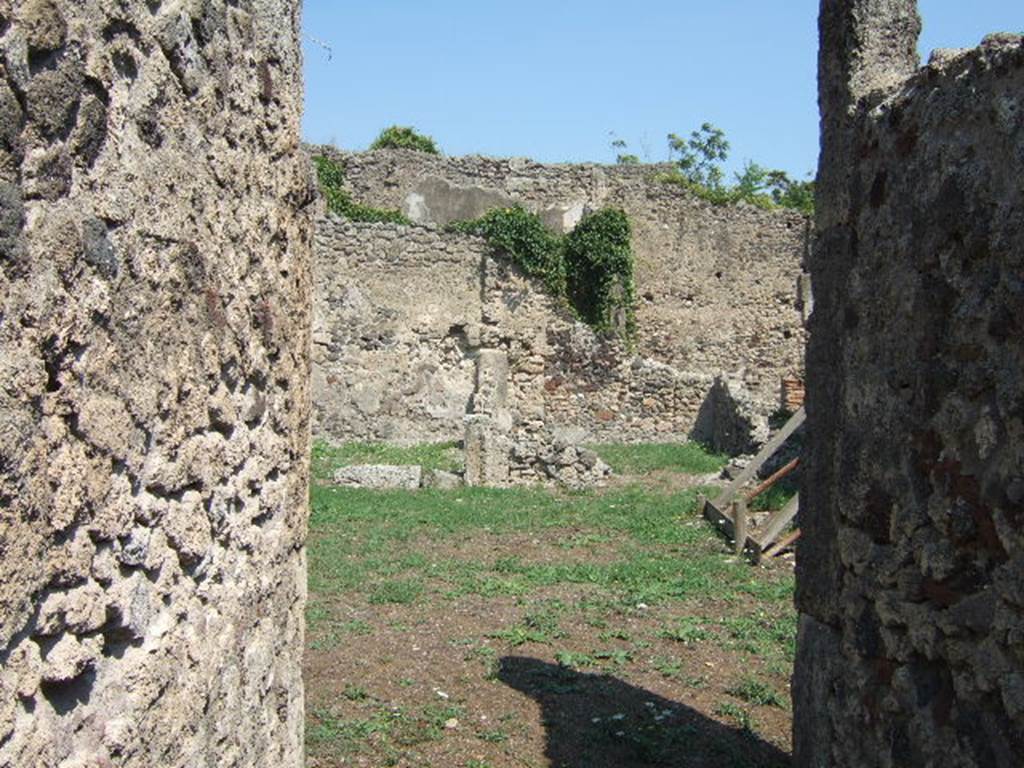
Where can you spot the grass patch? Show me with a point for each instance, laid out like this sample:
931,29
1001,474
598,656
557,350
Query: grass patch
327,732
688,630
355,693
662,550
614,584
575,659
493,736
668,666
685,458
398,592
762,634
326,457
754,691
537,626
739,715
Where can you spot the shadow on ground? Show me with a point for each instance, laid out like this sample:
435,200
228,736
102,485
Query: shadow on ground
598,721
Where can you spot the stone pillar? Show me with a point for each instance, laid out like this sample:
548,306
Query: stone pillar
910,571
491,394
865,46
487,449
487,443
154,357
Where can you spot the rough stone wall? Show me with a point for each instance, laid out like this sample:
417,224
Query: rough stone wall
718,287
911,567
154,281
396,322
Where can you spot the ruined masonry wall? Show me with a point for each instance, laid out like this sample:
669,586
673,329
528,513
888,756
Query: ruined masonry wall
718,289
910,575
155,292
396,318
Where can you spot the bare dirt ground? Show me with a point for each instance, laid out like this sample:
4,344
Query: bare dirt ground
481,639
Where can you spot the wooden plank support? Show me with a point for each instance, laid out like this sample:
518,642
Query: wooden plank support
784,472
723,521
740,521
766,453
776,548
718,518
777,522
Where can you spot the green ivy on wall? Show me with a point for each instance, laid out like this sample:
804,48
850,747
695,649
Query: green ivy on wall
521,235
591,268
339,200
599,270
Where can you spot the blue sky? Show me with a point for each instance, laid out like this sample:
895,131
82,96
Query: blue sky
551,80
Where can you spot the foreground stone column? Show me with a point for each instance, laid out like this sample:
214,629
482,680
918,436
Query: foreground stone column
910,579
153,383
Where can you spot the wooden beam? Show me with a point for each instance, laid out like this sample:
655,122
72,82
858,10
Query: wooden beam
719,519
739,517
726,496
784,472
777,522
781,544
724,523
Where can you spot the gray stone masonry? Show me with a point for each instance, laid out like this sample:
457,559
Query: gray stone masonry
401,315
487,450
910,571
380,477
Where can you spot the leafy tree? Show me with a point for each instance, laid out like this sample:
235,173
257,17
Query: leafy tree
753,182
405,137
790,193
701,155
699,163
623,157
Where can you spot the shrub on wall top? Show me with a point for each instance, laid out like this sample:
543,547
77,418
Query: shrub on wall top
404,137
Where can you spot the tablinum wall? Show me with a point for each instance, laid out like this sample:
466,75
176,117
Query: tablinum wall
153,413
720,293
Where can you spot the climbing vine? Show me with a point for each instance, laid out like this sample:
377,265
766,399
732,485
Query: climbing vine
591,268
599,271
339,200
524,238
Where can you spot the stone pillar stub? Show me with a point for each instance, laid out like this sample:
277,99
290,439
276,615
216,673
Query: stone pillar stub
487,448
865,46
491,395
487,442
